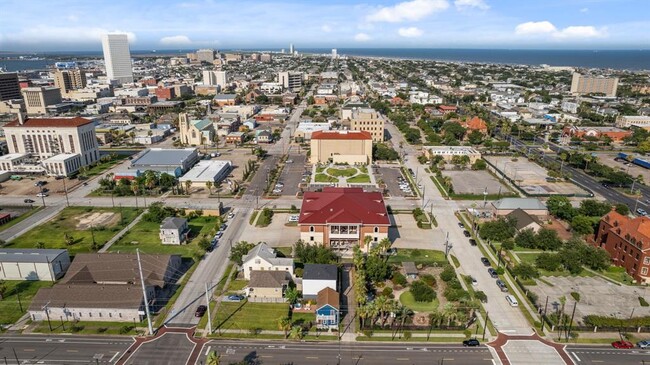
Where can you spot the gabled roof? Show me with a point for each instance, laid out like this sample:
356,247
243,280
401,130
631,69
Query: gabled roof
476,123
320,272
88,296
268,254
523,219
173,223
50,122
341,135
328,296
521,203
637,228
343,205
268,279
409,268
201,124
101,268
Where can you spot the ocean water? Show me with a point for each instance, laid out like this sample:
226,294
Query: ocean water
615,59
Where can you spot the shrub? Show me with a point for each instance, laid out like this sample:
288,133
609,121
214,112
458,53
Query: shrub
298,272
467,333
367,333
76,328
480,295
399,279
407,335
428,279
643,302
447,273
500,270
422,292
102,329
126,329
387,292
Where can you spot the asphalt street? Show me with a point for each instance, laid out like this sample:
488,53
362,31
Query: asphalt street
31,349
607,355
307,353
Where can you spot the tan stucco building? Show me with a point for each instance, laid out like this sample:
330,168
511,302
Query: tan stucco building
38,98
368,120
350,147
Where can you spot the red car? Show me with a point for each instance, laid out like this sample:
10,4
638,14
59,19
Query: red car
623,345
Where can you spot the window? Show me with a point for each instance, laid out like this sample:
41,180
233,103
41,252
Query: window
311,238
90,314
646,260
376,229
644,271
258,261
311,229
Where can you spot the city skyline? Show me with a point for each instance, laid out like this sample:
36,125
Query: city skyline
555,24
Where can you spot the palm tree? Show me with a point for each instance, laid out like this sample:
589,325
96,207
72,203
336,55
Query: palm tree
296,333
382,306
213,358
284,324
366,242
384,245
208,184
132,135
363,312
188,185
217,187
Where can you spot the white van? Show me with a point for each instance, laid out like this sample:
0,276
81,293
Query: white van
512,300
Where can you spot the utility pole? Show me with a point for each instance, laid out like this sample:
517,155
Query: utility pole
47,313
207,302
487,318
67,202
544,313
144,292
571,323
447,245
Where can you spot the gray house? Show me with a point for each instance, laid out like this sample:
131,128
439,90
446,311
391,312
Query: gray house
174,231
33,264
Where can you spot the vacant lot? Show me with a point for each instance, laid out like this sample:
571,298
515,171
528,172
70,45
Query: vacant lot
245,315
10,305
81,225
475,182
145,236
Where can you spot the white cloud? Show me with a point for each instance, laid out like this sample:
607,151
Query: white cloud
584,10
408,10
410,32
38,34
535,28
362,37
546,28
175,40
326,28
72,18
467,4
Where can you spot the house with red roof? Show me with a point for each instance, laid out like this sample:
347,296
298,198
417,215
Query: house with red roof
475,124
346,147
446,109
341,218
627,240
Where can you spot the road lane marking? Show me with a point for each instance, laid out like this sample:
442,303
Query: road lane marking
207,351
29,350
114,356
597,361
402,359
269,356
71,350
576,356
311,357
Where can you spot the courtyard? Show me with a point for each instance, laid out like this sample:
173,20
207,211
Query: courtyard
343,175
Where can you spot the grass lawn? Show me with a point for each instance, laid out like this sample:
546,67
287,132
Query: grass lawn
52,233
618,274
302,318
103,166
10,307
91,328
246,315
418,256
361,178
236,285
145,236
363,169
286,251
530,258
323,178
19,219
251,220
408,301
346,171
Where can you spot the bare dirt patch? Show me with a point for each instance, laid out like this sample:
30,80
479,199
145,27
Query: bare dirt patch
96,219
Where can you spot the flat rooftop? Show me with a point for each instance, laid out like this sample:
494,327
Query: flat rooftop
206,170
164,157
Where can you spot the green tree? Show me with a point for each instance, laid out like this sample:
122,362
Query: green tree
208,184
292,295
499,229
582,225
560,207
422,292
377,269
296,333
313,254
479,164
548,261
622,209
213,358
594,208
284,324
238,251
525,271
547,239
475,137
526,239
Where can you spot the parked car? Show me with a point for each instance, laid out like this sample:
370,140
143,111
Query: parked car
231,215
622,345
289,161
643,344
461,225
512,300
42,195
472,242
200,311
473,280
493,273
293,218
471,342
28,201
236,297
485,261
502,285
467,234
641,211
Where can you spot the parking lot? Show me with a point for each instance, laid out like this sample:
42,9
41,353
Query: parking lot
531,177
597,296
391,176
292,173
25,187
475,182
238,157
607,159
277,234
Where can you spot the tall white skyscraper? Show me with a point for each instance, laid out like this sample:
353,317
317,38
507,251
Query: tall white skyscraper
215,78
291,48
117,58
334,53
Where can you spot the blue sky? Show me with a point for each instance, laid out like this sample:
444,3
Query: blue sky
40,25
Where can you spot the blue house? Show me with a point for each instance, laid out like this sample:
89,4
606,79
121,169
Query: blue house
327,309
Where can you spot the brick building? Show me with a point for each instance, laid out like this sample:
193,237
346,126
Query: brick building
627,240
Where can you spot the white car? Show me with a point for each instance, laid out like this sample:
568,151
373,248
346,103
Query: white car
42,195
231,215
293,218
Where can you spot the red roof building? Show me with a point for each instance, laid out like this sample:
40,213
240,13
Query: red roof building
445,109
50,122
342,217
475,124
627,240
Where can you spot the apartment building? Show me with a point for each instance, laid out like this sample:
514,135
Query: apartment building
205,55
117,58
61,146
68,80
290,80
37,99
9,86
581,84
215,78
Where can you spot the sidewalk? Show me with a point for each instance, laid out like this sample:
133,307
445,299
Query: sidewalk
121,233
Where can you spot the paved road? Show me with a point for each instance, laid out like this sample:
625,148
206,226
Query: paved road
607,355
307,353
31,349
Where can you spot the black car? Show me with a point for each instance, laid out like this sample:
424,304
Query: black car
472,242
493,273
485,261
502,285
461,225
200,311
467,234
28,201
471,342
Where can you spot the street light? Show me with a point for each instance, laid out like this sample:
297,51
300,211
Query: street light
67,202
